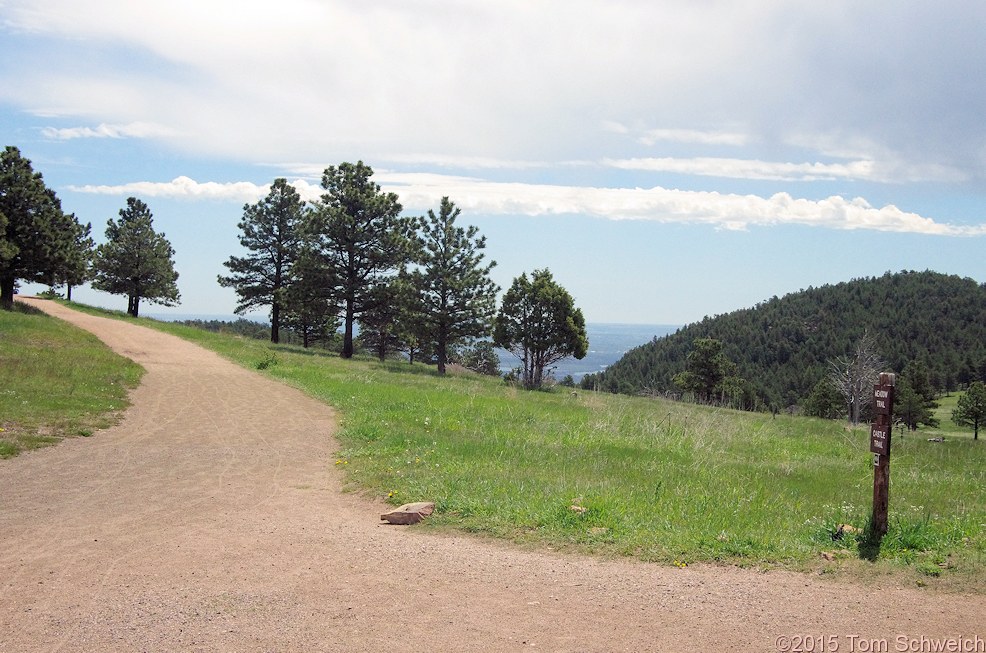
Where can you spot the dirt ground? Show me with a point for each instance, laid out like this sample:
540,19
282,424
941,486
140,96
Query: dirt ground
211,519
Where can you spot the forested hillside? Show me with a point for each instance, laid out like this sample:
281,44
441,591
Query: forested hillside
781,347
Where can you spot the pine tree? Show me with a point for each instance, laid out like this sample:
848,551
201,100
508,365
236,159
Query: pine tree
379,323
914,399
458,296
971,408
76,268
37,240
359,237
309,307
270,230
136,261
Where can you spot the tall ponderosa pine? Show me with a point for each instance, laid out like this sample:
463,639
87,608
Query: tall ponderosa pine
37,240
358,234
538,323
458,296
271,231
135,260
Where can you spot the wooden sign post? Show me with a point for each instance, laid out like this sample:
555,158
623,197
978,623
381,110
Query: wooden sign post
883,409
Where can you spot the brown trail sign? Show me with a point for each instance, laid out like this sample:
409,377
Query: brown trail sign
883,404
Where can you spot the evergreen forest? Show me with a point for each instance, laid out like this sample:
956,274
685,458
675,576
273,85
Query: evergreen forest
782,348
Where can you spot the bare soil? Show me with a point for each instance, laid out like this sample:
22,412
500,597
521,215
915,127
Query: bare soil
212,519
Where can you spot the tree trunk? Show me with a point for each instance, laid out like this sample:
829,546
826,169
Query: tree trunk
275,323
7,293
442,357
68,292
347,339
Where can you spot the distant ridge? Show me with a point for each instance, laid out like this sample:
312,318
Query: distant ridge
781,346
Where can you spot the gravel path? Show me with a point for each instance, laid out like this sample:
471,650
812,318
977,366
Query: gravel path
211,519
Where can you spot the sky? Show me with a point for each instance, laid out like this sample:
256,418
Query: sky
666,161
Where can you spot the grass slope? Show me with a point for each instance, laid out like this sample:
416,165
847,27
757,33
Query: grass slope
57,381
652,479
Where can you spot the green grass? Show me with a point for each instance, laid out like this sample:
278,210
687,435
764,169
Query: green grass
655,480
57,381
946,427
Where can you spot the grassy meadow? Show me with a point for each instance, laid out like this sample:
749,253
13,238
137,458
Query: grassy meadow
56,381
651,479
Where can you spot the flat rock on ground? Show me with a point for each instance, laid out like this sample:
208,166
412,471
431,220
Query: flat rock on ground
212,519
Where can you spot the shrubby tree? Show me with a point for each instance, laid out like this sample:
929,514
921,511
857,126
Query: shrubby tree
825,401
458,298
914,398
480,357
416,340
308,305
384,322
37,240
136,261
971,408
271,232
709,373
539,323
358,236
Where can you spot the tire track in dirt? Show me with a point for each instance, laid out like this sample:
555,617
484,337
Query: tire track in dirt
212,519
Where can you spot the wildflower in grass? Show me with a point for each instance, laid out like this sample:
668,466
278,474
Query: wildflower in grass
392,494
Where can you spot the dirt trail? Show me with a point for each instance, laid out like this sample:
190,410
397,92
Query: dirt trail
211,519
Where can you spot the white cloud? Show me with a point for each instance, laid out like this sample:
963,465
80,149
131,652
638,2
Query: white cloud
750,169
723,210
186,188
421,191
467,162
181,188
652,136
104,130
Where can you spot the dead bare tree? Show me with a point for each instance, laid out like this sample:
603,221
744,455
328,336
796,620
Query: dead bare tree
855,374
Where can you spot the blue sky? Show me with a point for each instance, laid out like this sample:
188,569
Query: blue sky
666,161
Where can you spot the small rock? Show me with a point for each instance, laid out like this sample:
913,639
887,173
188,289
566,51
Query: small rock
844,529
828,556
409,513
